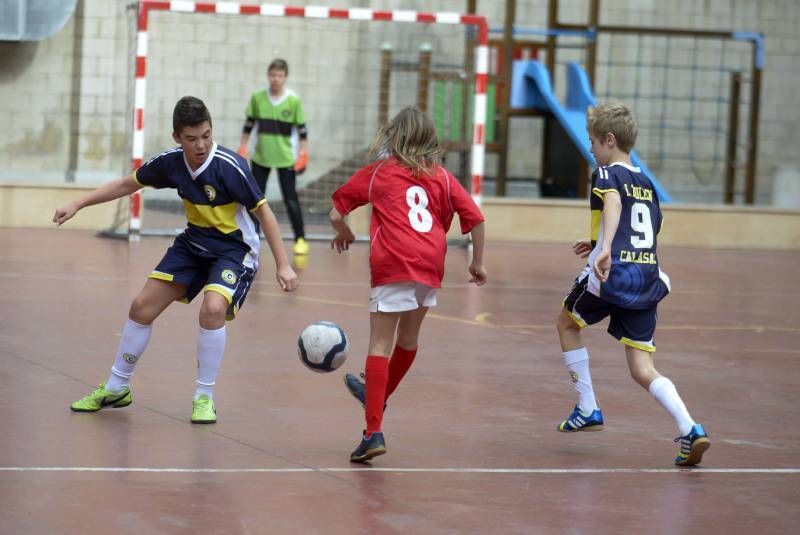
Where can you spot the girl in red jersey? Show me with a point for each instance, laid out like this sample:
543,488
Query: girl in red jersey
413,202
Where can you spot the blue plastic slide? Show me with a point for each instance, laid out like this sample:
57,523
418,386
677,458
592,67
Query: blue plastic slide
531,88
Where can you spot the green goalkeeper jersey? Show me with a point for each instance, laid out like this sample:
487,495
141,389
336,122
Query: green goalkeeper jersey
280,123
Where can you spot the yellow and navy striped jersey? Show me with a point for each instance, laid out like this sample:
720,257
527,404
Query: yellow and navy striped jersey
218,197
635,280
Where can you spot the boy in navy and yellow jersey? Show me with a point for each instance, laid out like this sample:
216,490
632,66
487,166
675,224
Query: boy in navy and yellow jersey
217,253
622,279
278,116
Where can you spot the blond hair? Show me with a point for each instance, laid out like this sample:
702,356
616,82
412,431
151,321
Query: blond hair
411,138
613,118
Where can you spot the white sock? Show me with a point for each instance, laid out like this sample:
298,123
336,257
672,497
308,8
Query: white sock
665,393
577,362
132,344
210,348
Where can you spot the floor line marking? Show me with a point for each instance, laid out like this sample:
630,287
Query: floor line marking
482,319
404,470
454,285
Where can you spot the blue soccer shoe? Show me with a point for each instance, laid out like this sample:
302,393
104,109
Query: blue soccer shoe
693,446
577,421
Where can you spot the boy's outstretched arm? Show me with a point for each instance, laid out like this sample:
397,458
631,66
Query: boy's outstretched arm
476,270
344,236
612,208
107,192
286,276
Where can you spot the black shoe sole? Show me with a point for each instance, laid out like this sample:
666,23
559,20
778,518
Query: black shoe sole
588,429
368,455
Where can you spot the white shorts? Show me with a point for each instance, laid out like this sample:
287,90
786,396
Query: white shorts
401,296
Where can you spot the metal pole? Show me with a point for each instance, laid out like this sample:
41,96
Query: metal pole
733,135
73,146
582,190
752,142
385,78
424,76
469,69
552,22
505,98
591,44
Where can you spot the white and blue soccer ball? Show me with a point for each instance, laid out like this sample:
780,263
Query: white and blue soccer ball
322,346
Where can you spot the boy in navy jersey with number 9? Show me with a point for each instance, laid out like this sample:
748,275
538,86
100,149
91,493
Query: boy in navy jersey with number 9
622,280
413,202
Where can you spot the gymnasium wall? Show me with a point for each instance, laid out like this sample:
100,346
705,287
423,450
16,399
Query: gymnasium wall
66,101
524,220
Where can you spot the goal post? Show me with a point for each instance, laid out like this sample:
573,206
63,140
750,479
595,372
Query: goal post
334,52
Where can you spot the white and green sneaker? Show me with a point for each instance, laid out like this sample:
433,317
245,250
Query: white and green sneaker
203,411
101,398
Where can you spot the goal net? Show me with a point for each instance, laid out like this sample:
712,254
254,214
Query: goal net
351,67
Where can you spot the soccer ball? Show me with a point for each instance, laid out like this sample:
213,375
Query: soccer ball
322,346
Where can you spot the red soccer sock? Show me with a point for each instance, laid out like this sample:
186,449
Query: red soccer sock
398,366
376,374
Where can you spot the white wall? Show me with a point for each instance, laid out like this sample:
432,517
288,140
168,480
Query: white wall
49,89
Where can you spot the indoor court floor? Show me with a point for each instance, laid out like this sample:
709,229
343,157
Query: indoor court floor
471,432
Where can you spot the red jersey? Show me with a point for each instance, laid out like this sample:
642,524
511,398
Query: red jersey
411,215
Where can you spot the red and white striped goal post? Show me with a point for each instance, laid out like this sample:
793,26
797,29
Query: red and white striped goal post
310,12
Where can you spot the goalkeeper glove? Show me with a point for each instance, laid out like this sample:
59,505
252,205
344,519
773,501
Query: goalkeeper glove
301,162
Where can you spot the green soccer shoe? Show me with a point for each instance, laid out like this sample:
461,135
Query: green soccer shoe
101,398
203,411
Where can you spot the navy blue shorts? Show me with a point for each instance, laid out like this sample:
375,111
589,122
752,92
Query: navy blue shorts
633,328
201,270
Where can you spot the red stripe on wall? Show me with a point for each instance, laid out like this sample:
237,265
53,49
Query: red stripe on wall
141,63
479,133
141,24
483,32
136,196
476,20
480,83
476,185
205,8
144,9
